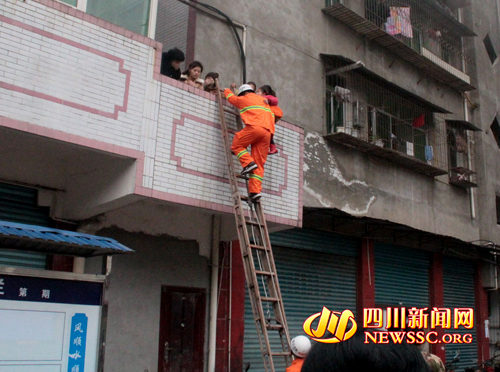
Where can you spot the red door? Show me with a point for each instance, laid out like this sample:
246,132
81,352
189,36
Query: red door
182,329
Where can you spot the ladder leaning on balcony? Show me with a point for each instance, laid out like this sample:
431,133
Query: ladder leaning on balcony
258,261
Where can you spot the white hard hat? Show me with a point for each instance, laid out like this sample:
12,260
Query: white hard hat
245,88
300,346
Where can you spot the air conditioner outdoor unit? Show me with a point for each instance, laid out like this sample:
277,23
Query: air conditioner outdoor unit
358,114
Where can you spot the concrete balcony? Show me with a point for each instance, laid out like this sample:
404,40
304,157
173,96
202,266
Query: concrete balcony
370,21
85,115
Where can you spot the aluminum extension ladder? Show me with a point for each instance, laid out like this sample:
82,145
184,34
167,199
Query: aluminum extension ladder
258,261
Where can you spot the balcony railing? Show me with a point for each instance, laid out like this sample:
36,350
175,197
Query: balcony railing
362,113
416,32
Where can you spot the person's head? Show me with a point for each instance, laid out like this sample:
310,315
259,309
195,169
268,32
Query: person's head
210,80
175,57
354,355
245,89
253,85
194,70
266,90
300,346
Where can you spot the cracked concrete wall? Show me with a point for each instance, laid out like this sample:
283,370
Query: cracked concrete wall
371,187
487,98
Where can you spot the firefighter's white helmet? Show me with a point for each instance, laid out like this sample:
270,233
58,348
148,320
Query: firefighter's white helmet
300,346
245,88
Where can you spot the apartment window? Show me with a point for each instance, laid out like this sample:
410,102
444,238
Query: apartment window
490,49
498,210
133,15
495,129
70,2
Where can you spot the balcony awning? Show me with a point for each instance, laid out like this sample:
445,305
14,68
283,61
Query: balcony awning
47,240
465,124
340,61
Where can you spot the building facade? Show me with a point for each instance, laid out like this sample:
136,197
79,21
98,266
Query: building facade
384,192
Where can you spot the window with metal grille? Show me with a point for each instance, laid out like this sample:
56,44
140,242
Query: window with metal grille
495,129
490,48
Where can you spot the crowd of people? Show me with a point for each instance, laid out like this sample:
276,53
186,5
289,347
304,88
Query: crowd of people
259,112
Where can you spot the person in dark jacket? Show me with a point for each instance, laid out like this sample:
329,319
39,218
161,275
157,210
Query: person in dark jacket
354,355
170,63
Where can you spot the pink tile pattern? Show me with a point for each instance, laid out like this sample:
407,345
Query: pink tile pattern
222,177
66,89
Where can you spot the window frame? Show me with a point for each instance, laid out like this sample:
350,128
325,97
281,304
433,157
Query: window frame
153,12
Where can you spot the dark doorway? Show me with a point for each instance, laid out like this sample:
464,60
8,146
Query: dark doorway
182,329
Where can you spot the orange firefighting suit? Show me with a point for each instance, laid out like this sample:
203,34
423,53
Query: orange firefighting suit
259,121
296,365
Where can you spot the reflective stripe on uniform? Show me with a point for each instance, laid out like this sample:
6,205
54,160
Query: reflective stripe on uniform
229,95
255,108
242,153
258,178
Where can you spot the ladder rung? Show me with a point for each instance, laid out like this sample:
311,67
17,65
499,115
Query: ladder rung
259,272
283,353
253,223
258,247
274,327
269,299
242,177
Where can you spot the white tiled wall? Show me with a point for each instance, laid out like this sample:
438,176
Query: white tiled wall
63,73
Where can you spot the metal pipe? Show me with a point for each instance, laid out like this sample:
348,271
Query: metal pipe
350,67
216,222
469,160
472,198
230,316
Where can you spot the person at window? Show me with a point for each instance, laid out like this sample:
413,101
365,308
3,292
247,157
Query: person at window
170,63
268,93
209,83
192,75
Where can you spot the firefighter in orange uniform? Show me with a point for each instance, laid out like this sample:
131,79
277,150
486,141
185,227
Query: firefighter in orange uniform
259,120
300,347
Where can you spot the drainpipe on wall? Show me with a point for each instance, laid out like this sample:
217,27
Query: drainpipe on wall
469,162
466,118
212,340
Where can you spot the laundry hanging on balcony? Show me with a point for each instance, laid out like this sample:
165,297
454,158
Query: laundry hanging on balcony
419,121
399,22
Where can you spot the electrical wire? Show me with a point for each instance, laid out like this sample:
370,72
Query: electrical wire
233,26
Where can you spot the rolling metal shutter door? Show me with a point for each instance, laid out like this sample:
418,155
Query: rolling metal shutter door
19,204
401,276
458,278
308,281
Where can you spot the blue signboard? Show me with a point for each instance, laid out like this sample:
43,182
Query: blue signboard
23,288
77,343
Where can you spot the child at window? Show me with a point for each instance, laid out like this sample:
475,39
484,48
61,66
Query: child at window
268,93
